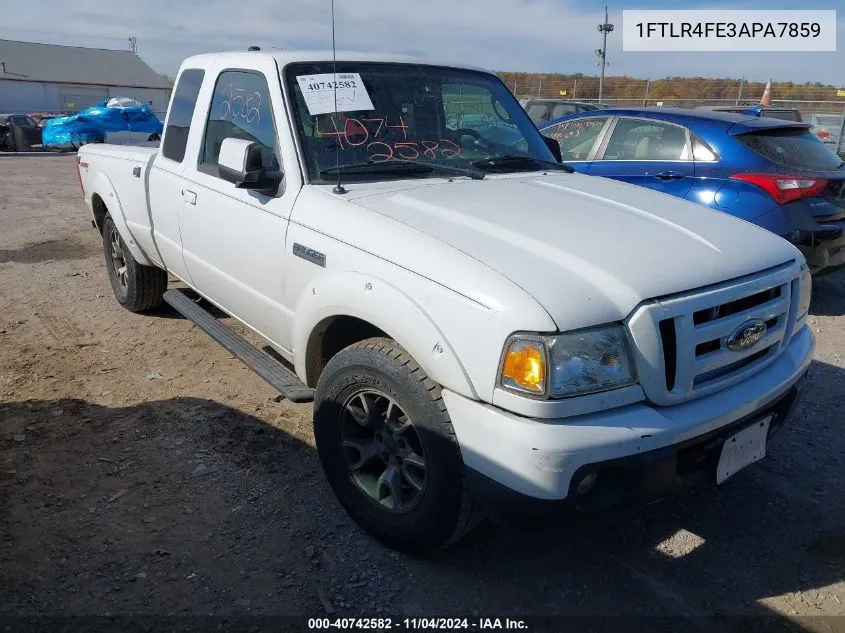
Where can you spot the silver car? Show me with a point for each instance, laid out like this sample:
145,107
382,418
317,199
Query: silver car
826,127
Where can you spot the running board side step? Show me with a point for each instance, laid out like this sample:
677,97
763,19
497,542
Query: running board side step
280,377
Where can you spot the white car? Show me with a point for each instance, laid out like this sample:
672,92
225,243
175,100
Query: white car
480,329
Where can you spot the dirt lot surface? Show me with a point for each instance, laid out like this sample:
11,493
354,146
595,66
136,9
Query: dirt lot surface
143,470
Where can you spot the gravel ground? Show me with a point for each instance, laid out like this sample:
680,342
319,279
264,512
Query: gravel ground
144,470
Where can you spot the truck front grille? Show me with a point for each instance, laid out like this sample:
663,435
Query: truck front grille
682,340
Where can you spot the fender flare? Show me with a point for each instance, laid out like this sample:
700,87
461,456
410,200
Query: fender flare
364,297
104,189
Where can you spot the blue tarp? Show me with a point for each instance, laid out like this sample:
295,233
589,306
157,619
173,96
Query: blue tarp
93,124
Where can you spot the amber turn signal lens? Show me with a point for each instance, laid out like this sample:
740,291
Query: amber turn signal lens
525,366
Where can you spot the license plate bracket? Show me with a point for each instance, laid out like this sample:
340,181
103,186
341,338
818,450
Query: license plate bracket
743,449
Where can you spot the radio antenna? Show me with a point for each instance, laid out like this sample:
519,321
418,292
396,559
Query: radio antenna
338,188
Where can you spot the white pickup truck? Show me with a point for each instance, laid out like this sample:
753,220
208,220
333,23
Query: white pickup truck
481,330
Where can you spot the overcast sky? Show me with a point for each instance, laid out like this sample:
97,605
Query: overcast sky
528,35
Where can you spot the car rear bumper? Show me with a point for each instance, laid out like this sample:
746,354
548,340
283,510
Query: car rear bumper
645,452
824,250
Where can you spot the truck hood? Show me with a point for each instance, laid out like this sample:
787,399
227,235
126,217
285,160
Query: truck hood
588,249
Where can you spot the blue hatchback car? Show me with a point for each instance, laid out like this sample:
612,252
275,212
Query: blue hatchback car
771,172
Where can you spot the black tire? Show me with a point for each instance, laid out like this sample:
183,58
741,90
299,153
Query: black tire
136,287
443,510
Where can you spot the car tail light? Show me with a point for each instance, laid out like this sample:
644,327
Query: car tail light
823,134
784,188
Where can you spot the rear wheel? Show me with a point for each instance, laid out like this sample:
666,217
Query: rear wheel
136,287
387,446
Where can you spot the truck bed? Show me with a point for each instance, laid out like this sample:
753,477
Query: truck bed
119,173
136,153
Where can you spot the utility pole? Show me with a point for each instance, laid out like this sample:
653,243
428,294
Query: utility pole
647,86
739,94
574,88
604,29
539,86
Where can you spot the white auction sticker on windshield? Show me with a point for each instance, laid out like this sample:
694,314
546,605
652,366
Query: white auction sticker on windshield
319,93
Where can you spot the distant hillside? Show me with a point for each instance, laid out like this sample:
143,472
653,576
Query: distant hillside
579,86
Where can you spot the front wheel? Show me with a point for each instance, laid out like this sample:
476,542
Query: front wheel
388,449
138,288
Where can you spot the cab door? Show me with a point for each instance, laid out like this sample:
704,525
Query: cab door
649,153
165,179
233,240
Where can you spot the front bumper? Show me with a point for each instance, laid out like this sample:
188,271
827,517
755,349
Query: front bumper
659,449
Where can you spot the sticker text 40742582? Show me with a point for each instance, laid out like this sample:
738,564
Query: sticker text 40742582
372,132
330,85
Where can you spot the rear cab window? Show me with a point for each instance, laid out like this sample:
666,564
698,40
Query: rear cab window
180,114
795,148
577,137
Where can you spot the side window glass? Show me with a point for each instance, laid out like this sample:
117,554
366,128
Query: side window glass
181,112
576,137
240,108
536,111
634,139
700,150
562,109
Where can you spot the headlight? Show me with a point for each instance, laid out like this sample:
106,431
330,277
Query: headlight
805,294
562,365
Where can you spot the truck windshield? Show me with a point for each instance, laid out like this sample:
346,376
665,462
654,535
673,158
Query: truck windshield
396,121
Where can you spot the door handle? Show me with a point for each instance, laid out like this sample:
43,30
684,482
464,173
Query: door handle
189,196
669,175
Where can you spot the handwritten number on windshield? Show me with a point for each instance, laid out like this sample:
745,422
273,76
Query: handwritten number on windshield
358,132
430,146
401,126
406,150
453,152
380,157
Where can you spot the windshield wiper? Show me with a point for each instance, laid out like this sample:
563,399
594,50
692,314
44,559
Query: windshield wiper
518,160
405,166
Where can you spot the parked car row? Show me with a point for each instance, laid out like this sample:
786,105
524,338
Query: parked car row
827,127
118,120
542,110
772,172
18,132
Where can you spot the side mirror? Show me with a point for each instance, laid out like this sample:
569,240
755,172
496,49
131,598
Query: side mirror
554,147
239,162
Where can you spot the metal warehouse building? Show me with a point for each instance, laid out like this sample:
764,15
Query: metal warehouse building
49,78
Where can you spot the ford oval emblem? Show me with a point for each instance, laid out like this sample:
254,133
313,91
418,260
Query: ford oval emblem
746,335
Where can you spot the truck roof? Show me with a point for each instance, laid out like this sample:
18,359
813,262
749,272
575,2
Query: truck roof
285,57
